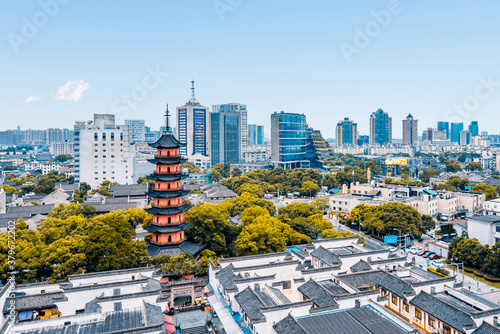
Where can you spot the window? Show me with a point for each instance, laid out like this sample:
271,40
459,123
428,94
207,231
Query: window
118,306
446,329
96,137
112,136
406,307
432,322
418,314
116,292
394,299
287,285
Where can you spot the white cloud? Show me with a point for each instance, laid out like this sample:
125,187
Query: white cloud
72,90
34,98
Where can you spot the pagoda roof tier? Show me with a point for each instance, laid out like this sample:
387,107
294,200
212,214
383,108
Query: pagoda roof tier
167,177
167,140
167,228
167,160
167,211
167,193
175,250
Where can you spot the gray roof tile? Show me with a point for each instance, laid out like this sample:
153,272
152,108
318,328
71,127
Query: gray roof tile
326,256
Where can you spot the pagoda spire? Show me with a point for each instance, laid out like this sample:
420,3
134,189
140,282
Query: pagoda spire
167,120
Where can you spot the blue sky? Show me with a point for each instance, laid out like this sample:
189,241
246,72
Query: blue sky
428,58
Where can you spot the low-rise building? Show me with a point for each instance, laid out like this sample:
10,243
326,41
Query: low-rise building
486,229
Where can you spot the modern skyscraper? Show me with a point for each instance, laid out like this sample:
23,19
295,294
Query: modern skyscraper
255,134
192,127
410,130
167,205
465,138
225,136
347,133
136,130
444,126
242,110
380,128
455,129
474,129
102,152
288,140
363,140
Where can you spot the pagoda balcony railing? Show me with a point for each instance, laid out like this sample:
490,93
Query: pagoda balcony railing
171,189
167,156
162,244
167,173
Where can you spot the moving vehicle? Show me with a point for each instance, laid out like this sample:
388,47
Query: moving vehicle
393,249
438,264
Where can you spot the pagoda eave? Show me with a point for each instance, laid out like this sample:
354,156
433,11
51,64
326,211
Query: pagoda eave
167,211
167,194
167,161
167,229
167,177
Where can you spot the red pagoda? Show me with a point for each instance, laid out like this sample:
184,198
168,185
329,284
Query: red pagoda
167,206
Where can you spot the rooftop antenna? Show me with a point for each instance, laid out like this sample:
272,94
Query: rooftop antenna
192,99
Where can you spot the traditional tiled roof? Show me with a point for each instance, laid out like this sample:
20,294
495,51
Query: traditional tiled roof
167,193
175,250
443,311
33,302
167,228
167,177
167,140
167,211
486,328
128,190
289,325
251,304
167,161
218,191
326,256
361,266
226,277
379,278
320,296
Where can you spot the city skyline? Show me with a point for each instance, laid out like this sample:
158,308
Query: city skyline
53,79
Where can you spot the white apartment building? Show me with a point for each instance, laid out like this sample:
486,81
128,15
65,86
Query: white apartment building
257,153
45,168
136,130
492,207
486,229
102,151
62,148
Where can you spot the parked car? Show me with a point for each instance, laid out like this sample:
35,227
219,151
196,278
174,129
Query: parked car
438,264
393,249
413,250
419,249
426,255
422,252
434,257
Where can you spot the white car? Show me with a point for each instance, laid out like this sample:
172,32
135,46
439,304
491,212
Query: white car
393,249
438,264
413,250
419,249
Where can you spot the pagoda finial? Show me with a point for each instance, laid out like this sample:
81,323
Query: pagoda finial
167,120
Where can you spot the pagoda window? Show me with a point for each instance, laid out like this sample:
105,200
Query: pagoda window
168,170
169,220
168,186
169,239
168,153
156,237
168,202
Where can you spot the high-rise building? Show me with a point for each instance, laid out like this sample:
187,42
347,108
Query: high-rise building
363,140
444,126
168,225
3,201
474,129
465,138
192,127
102,152
225,136
380,128
288,140
136,130
255,134
410,130
347,133
242,110
455,129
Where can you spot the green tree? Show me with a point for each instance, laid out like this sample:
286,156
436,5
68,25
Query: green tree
489,190
236,172
426,174
191,167
250,214
321,204
251,189
63,157
473,166
453,167
215,176
296,210
302,226
237,205
309,188
9,190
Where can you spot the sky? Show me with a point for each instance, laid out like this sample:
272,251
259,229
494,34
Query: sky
61,61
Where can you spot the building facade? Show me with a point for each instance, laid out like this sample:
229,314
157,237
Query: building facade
244,130
192,127
225,136
444,126
410,130
455,132
347,133
102,152
136,129
288,140
380,128
465,138
474,128
255,134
